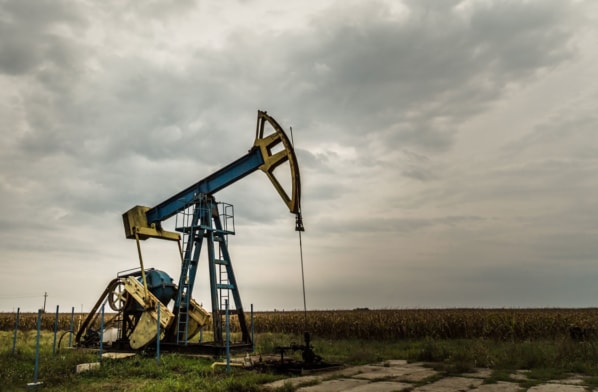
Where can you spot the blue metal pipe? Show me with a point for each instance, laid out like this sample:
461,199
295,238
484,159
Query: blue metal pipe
14,339
227,338
72,327
39,327
102,333
55,331
252,332
158,338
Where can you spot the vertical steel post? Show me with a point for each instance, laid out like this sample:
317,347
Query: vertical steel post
102,332
252,332
227,338
72,326
158,338
39,326
14,339
55,331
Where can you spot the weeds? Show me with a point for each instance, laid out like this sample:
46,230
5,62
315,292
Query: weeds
545,359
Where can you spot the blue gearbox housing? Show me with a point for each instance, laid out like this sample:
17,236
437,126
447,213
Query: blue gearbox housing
160,284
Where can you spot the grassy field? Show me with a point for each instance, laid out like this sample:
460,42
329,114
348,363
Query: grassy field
545,359
452,341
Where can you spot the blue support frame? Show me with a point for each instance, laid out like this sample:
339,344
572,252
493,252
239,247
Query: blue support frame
206,223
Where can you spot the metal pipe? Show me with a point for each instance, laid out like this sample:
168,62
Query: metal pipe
227,338
55,331
72,327
252,332
158,337
14,339
39,326
102,333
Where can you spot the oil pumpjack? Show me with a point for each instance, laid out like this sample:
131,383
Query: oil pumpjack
137,297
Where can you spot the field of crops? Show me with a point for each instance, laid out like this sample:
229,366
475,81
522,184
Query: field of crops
498,324
28,321
392,324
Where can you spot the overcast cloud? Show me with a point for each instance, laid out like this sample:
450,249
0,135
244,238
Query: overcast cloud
448,150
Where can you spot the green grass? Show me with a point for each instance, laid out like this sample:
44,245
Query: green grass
543,359
138,373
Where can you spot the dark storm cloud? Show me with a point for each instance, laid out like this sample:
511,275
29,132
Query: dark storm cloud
405,82
414,79
33,35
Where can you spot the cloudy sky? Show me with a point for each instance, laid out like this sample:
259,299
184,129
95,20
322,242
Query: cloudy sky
448,149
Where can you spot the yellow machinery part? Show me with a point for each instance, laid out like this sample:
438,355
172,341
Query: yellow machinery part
145,331
135,222
272,159
198,317
147,327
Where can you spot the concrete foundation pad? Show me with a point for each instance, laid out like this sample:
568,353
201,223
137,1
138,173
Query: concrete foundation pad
479,373
500,386
382,386
85,367
117,355
573,380
418,375
338,385
557,388
389,372
292,381
356,370
451,384
398,375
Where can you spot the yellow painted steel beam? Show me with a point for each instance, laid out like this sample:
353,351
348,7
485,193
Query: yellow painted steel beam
135,222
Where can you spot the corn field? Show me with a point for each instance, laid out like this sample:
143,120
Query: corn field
392,324
28,321
499,324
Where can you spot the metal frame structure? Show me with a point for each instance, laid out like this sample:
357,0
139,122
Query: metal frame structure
203,225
